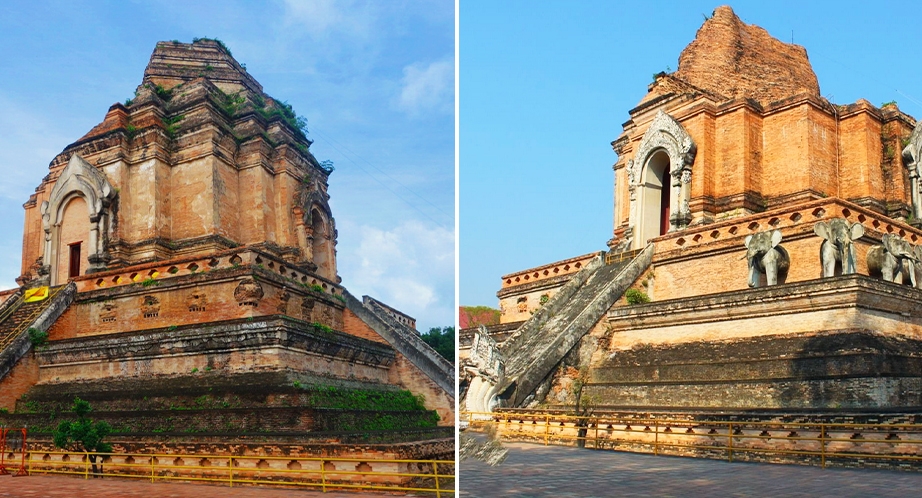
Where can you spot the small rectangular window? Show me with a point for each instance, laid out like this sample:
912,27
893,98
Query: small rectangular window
74,269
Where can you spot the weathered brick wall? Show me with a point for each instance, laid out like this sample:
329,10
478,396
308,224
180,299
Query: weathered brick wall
353,325
711,259
201,296
523,292
20,379
226,347
753,156
407,375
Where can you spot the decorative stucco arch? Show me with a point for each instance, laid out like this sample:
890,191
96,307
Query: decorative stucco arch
79,178
664,134
317,232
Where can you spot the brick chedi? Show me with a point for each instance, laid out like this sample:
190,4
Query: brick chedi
191,254
724,286
202,160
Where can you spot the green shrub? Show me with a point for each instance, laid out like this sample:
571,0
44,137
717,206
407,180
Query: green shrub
635,296
83,434
322,327
37,337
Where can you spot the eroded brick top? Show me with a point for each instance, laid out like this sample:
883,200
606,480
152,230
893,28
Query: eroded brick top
738,60
174,63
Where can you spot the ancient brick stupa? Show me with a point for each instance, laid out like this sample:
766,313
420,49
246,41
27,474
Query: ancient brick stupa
774,234
189,249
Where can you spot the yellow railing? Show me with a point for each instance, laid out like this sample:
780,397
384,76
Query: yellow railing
10,337
802,442
14,303
325,473
611,258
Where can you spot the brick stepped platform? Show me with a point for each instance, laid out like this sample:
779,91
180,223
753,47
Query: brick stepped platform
261,404
539,345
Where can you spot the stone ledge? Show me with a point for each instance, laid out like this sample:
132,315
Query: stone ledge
840,354
278,331
852,291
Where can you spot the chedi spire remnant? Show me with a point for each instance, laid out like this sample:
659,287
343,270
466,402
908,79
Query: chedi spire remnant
732,59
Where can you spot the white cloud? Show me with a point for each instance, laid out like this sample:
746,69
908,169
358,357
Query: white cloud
30,144
410,267
428,87
321,17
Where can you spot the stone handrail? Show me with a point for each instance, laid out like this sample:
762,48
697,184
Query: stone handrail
408,343
556,303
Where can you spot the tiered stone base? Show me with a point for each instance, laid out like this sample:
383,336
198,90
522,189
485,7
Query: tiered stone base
844,342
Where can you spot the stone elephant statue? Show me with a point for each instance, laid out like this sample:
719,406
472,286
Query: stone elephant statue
917,265
838,245
894,258
766,256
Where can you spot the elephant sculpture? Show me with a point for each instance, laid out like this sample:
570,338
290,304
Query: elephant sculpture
917,265
838,246
894,258
766,256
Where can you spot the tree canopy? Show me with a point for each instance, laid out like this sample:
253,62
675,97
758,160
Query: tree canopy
442,340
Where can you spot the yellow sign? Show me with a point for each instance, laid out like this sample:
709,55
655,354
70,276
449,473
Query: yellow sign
37,294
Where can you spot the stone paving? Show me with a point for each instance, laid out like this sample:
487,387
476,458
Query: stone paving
533,470
71,487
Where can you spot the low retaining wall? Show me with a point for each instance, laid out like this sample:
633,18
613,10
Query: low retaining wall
311,465
881,440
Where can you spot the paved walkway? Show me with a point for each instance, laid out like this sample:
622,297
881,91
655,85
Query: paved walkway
71,487
532,470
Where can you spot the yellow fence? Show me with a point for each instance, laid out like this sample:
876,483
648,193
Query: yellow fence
618,257
800,442
327,473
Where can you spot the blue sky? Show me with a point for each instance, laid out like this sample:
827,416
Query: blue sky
545,88
375,81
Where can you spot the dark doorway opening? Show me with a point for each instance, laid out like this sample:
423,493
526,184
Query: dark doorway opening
74,268
664,202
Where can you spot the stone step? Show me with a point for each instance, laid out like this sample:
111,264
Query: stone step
18,317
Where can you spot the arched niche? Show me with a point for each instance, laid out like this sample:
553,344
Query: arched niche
73,239
78,208
659,179
321,238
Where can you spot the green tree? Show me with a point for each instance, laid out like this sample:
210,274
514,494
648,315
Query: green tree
442,340
83,434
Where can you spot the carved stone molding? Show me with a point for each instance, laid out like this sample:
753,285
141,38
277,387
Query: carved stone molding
150,307
248,292
282,307
196,301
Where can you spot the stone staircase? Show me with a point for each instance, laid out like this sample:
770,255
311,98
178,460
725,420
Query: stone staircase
18,316
407,342
539,345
